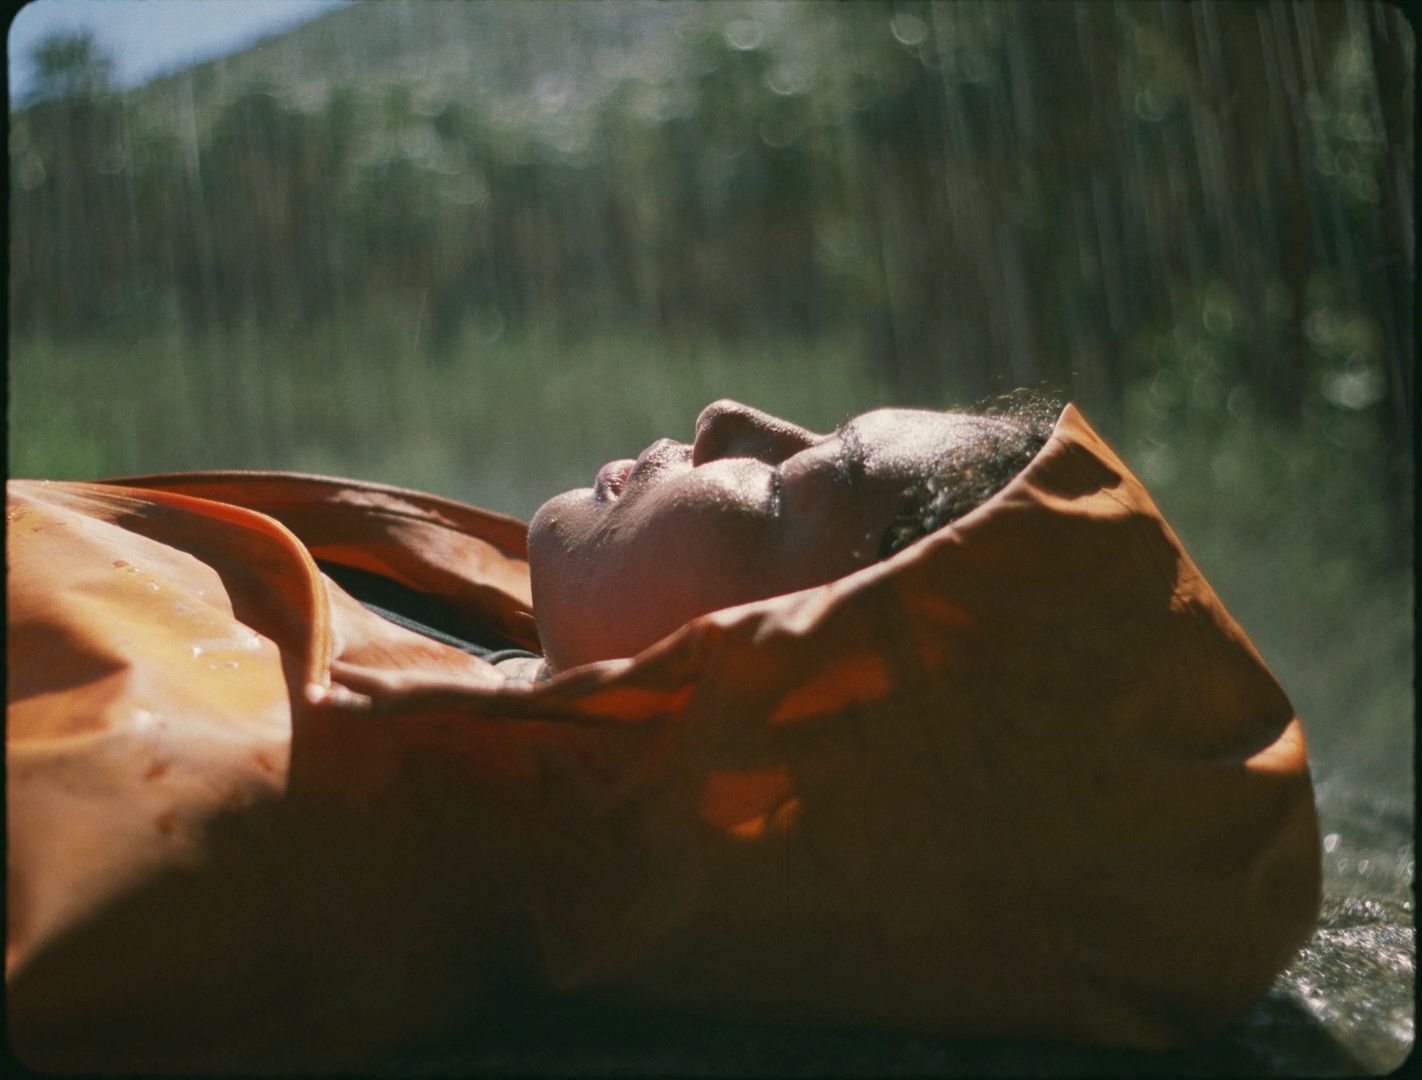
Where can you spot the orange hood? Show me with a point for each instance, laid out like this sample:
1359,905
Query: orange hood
1025,778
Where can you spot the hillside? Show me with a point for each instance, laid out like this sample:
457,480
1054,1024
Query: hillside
499,50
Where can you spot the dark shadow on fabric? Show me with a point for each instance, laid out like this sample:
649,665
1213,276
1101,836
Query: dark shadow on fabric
530,1035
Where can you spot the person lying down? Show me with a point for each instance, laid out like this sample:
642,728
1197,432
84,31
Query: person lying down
753,506
927,723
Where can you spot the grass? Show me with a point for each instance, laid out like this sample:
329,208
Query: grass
1288,527
509,423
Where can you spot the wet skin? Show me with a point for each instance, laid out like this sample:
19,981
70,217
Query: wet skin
753,507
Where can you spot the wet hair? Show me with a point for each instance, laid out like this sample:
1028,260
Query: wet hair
1016,427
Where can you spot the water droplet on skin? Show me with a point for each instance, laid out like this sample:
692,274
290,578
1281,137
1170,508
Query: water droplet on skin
197,651
153,585
1330,842
231,664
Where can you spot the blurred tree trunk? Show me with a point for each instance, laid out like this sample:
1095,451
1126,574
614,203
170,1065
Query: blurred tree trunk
1389,282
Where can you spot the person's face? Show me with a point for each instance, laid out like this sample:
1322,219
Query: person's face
754,507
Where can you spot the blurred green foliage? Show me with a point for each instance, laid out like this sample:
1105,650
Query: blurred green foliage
481,248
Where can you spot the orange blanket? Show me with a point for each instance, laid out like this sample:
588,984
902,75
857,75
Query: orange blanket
252,822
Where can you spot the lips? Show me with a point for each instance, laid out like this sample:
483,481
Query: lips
612,478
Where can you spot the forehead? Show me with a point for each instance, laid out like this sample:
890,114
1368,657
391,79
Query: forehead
889,439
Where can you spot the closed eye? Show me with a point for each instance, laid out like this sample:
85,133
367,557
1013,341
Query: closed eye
777,483
849,462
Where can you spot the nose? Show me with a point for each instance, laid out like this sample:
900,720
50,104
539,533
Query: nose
727,429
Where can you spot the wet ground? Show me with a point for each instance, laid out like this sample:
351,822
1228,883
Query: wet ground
1344,1008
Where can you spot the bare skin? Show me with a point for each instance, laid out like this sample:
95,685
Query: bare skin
755,506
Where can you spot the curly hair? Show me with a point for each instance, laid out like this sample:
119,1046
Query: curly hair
1016,426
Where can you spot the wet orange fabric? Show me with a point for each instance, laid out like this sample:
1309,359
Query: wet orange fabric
1026,778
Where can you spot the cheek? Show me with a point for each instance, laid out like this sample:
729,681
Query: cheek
833,530
712,555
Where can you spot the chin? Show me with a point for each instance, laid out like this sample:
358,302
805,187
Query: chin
558,524
552,552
